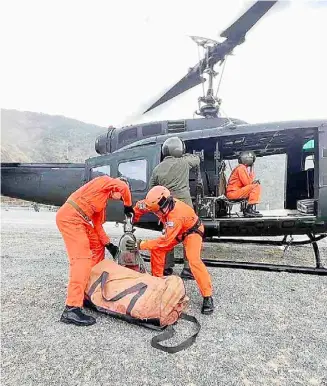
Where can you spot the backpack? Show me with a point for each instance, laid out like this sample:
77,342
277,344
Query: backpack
153,302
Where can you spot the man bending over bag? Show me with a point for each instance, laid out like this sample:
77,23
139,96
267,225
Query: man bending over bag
80,222
181,225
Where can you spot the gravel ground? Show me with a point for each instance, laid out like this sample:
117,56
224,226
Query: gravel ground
267,329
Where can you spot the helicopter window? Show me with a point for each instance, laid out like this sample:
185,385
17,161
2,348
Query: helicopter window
152,129
127,135
100,171
135,172
309,145
309,162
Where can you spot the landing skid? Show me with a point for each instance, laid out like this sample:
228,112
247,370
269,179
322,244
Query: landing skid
319,269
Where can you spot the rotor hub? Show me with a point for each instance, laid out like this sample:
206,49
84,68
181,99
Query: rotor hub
208,111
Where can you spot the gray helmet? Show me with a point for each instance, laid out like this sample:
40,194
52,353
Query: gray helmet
247,158
174,147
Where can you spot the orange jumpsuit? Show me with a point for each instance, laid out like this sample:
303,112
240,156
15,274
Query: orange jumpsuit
85,240
240,185
180,219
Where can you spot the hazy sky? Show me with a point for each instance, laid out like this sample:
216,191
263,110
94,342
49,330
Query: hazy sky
101,61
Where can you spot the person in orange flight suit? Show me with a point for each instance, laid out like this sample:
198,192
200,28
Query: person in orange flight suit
80,222
181,225
242,184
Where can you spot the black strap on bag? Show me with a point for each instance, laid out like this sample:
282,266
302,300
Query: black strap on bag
153,324
169,331
139,288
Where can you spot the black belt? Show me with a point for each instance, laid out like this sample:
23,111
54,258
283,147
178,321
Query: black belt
79,210
193,229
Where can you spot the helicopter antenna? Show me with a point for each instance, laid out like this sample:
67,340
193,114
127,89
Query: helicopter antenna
229,121
221,75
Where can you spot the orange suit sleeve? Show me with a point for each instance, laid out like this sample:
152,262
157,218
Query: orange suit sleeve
116,185
98,219
172,228
252,176
244,176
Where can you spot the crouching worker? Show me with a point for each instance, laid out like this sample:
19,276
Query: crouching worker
242,184
80,222
181,225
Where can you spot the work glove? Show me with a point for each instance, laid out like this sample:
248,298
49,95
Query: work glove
129,211
113,249
132,245
256,182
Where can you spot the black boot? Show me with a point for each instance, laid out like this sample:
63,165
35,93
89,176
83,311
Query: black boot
186,274
168,271
88,304
255,209
75,316
207,306
250,212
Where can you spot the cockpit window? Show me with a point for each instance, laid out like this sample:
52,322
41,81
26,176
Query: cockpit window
100,171
129,134
151,129
135,172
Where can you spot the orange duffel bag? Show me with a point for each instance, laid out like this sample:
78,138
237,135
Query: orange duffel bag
140,298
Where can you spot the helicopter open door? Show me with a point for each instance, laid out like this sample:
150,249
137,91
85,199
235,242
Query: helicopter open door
322,162
135,164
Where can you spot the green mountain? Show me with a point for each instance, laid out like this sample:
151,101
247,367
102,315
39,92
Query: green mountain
36,137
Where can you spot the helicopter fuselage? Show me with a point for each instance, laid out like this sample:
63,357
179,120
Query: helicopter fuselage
224,143
52,183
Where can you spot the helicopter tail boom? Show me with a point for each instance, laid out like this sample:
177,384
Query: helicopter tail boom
48,184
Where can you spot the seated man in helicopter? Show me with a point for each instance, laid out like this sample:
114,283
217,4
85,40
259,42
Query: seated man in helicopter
242,184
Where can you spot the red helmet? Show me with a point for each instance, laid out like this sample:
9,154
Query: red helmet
158,198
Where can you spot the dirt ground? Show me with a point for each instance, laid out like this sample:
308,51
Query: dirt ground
267,329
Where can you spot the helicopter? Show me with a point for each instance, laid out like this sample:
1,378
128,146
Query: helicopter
134,151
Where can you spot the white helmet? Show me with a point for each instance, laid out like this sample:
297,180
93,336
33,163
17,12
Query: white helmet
247,158
173,147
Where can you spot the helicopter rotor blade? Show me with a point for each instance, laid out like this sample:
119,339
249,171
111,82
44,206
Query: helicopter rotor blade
244,23
235,35
192,79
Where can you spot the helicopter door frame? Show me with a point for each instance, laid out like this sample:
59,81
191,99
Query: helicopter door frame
149,153
322,170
